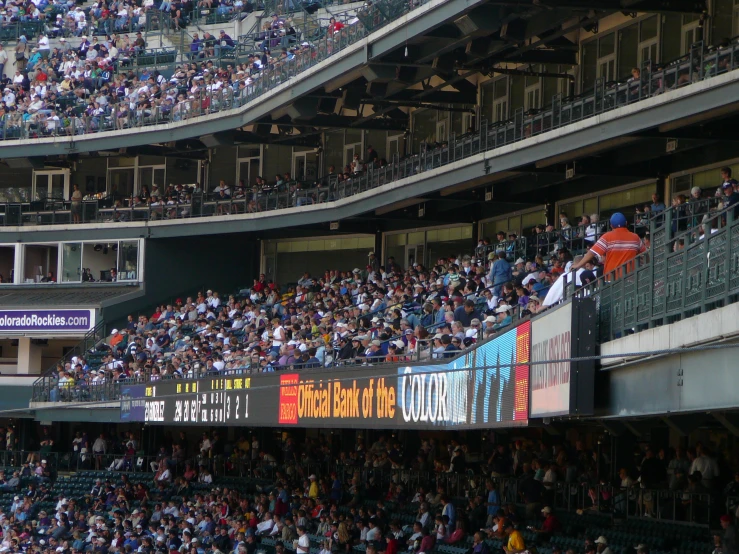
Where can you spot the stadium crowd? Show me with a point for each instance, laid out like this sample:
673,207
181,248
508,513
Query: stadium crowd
95,84
374,314
370,315
302,497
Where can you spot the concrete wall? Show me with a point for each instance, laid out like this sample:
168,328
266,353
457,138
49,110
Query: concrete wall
178,266
717,325
668,382
696,381
45,357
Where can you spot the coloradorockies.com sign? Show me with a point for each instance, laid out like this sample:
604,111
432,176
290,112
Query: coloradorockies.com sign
46,321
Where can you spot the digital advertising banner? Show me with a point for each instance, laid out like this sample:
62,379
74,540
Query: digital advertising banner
45,322
559,385
486,387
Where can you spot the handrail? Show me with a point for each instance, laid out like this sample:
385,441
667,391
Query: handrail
677,278
88,341
109,390
595,503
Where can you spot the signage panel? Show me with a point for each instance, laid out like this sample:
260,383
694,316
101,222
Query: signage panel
133,403
46,321
558,385
486,387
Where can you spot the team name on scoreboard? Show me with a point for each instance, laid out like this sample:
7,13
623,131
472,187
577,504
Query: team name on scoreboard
227,401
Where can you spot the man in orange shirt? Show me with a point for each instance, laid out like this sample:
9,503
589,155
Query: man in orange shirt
115,339
614,248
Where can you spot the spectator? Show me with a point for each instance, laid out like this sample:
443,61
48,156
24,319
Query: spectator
500,271
614,248
657,204
515,543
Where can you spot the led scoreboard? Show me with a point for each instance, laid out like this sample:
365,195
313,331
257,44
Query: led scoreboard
206,401
485,387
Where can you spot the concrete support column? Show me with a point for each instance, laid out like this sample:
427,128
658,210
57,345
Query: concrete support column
18,264
29,357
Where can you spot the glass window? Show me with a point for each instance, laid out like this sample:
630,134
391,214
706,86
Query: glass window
590,206
648,28
352,136
40,263
671,25
500,104
681,185
571,209
424,127
42,186
57,186
517,93
396,240
71,262
626,198
532,80
7,264
628,45
531,220
416,238
486,97
549,85
333,150
607,45
607,57
128,261
722,20
458,127
589,64
121,183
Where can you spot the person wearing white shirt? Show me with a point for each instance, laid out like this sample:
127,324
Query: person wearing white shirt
9,98
52,122
278,333
373,533
303,546
43,45
265,526
706,465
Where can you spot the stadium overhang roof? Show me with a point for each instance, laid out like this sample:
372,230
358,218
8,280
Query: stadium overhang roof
423,59
677,112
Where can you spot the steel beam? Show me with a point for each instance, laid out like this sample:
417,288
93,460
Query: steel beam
728,421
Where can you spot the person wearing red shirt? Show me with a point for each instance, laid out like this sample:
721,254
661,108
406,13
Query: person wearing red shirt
392,544
549,526
334,26
457,535
427,542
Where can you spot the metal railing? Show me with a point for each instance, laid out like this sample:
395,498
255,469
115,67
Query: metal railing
683,274
88,342
680,505
48,389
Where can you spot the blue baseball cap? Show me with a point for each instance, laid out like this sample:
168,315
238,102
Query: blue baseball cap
618,220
